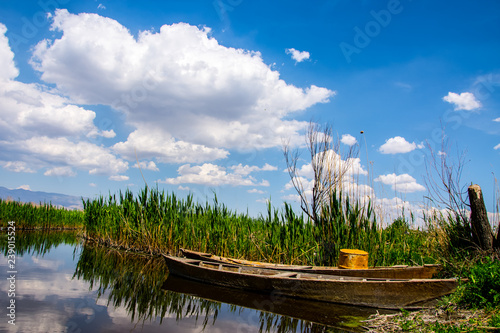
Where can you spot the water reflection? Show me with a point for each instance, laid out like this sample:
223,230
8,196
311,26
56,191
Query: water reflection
276,313
39,243
66,286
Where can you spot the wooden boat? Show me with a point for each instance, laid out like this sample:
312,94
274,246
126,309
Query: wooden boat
371,292
392,272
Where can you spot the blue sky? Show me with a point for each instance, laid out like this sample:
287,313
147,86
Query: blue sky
203,93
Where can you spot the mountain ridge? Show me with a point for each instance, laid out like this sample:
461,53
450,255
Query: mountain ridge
56,199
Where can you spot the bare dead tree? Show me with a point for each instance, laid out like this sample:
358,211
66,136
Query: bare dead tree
447,190
329,166
444,180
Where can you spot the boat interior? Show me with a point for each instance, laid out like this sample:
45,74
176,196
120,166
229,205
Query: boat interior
227,267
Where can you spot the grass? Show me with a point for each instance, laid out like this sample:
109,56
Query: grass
42,216
482,289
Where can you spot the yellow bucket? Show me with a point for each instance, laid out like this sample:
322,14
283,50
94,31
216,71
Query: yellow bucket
353,259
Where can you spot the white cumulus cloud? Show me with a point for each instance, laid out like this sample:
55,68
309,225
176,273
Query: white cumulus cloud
155,143
205,98
214,175
147,166
398,145
18,166
351,167
9,70
401,183
83,155
348,139
297,55
254,190
64,171
464,101
42,129
119,178
246,169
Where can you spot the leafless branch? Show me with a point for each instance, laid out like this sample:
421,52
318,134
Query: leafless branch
444,179
329,166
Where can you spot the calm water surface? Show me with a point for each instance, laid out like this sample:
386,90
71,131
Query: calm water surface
64,285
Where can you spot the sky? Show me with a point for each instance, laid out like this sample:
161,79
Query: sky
203,94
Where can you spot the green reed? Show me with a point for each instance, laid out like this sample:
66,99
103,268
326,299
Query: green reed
351,224
44,215
155,221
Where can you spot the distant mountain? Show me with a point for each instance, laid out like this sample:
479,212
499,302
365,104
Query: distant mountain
56,199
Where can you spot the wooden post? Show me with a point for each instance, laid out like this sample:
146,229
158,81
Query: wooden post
481,228
497,243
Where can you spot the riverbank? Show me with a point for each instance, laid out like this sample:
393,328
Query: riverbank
439,319
473,307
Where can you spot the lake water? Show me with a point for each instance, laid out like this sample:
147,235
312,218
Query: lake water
64,285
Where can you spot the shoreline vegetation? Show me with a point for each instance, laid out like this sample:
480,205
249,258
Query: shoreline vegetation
32,216
154,221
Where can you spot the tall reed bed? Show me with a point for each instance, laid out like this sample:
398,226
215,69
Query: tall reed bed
42,216
158,221
155,221
352,224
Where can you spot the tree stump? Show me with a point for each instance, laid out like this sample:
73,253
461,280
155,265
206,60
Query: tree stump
481,228
497,242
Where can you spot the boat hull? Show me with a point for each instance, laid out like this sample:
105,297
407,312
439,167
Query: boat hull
379,293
